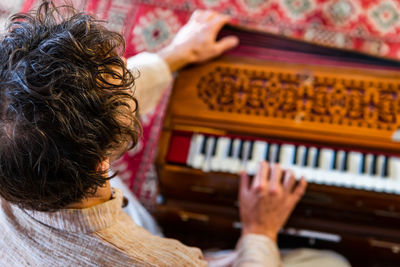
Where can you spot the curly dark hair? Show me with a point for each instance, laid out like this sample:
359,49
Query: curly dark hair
66,104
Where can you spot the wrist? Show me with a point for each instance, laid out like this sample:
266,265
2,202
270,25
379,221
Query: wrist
273,235
174,57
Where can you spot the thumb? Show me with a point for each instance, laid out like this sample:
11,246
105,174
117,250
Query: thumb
226,43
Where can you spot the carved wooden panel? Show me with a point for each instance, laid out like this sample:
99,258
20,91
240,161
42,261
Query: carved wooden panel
312,97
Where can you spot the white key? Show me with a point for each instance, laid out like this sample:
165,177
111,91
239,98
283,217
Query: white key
340,155
301,153
273,153
326,157
369,160
380,162
394,168
286,155
210,143
196,159
221,153
234,162
354,162
245,155
258,155
312,157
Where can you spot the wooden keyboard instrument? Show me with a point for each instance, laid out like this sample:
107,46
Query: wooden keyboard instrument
330,115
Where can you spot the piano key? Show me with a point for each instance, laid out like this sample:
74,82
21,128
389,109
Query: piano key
317,158
278,153
245,155
192,148
362,164
196,158
385,167
380,166
210,143
394,168
326,159
241,149
234,161
221,153
230,151
334,160
340,160
266,157
226,161
295,156
301,156
346,161
354,162
368,168
273,153
251,151
286,155
374,166
312,157
260,148
214,150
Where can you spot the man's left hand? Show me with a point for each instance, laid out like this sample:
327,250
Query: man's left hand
196,41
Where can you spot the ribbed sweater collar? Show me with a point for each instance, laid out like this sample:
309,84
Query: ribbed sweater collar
86,220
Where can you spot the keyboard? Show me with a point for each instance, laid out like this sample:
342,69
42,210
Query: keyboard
317,164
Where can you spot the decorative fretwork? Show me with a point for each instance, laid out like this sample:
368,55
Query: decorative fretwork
302,97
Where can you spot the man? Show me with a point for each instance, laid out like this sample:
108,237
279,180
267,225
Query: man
67,112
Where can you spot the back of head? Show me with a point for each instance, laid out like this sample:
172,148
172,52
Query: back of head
65,104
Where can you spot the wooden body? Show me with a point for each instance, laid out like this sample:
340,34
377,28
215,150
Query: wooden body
330,105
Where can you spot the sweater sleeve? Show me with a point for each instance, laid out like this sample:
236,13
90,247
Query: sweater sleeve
152,75
256,251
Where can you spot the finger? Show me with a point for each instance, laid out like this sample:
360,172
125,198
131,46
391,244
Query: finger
300,189
288,181
218,22
276,179
244,183
225,44
260,180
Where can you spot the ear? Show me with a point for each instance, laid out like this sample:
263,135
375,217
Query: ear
104,165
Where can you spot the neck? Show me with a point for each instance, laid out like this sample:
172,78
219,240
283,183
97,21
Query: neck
102,195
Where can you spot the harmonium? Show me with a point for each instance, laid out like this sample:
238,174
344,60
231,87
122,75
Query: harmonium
330,115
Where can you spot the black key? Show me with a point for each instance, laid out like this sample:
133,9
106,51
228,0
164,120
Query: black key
204,146
230,150
362,167
278,153
334,160
374,167
214,150
385,167
305,158
250,157
241,149
317,158
295,156
345,161
267,152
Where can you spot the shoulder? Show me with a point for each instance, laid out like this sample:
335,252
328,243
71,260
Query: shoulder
145,248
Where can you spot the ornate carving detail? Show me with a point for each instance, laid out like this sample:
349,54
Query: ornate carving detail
302,96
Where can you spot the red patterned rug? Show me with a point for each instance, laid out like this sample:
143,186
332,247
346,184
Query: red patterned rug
370,26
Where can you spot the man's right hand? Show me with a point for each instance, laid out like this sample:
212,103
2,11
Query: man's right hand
267,203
